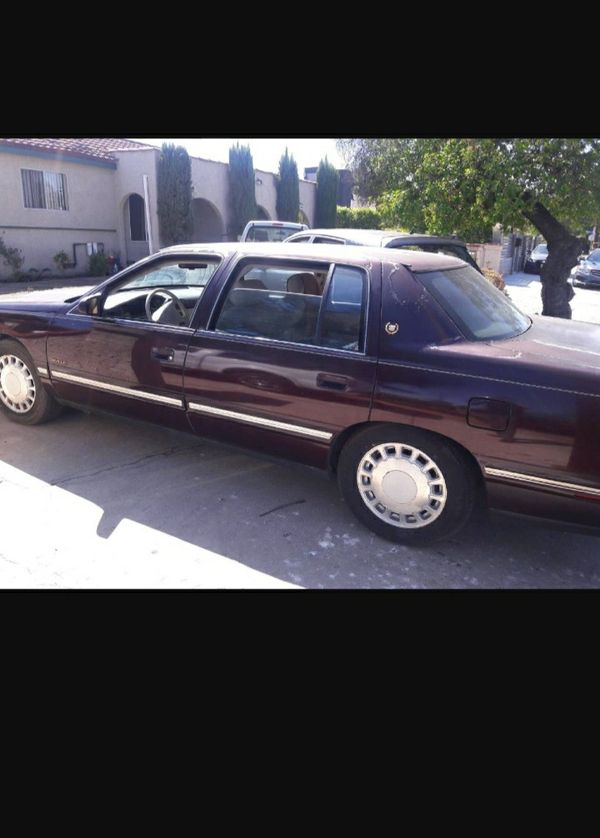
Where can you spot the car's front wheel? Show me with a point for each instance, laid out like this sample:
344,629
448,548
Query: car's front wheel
23,397
407,485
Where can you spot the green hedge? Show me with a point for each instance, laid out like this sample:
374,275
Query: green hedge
363,218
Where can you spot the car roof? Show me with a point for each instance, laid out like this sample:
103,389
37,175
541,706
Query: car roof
381,238
266,222
363,256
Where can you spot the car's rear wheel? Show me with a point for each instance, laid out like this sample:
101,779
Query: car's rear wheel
23,397
405,484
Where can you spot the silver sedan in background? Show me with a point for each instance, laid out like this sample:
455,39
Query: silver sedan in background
587,271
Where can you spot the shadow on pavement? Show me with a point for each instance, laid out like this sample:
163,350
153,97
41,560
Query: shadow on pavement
282,519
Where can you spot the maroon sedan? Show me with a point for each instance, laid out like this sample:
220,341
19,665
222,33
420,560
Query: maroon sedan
405,373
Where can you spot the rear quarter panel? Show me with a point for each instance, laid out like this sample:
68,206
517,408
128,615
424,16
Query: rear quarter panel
427,375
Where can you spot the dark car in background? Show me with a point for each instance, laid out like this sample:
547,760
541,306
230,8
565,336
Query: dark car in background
536,259
405,374
587,272
449,245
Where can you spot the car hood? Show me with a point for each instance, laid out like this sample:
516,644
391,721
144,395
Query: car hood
50,300
553,353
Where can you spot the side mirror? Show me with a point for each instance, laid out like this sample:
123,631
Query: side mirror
91,306
582,258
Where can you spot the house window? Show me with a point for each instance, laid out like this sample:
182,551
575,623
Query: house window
44,190
137,220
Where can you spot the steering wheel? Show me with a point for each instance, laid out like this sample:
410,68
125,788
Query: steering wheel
175,301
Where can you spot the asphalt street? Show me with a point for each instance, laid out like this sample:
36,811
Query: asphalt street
94,501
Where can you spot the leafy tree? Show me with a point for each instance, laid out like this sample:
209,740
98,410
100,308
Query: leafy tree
326,198
174,200
468,185
242,194
288,189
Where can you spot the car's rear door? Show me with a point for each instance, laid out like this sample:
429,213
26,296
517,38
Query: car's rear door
284,355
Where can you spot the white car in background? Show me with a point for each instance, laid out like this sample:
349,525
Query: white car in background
270,231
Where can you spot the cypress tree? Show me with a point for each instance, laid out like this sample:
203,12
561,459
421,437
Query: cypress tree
288,189
174,199
326,200
242,195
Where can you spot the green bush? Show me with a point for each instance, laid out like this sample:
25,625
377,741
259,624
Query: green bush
288,189
61,260
13,258
242,189
364,218
34,273
326,198
174,194
98,264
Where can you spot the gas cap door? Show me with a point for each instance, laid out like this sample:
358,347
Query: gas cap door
488,414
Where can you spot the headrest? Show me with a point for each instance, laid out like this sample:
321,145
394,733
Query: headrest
303,283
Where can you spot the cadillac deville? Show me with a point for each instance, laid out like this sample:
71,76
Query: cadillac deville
406,374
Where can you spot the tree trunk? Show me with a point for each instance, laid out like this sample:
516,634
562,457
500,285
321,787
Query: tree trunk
563,250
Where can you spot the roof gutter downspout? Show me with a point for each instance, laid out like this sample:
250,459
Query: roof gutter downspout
147,213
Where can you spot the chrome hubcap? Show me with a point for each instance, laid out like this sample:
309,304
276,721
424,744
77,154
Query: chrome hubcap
17,386
401,485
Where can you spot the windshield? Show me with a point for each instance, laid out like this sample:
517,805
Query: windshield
479,310
594,256
269,233
542,248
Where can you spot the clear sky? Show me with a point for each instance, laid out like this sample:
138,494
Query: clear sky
265,151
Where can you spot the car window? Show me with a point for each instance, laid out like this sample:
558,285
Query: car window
268,233
479,310
287,304
188,274
327,240
456,250
183,280
344,309
298,239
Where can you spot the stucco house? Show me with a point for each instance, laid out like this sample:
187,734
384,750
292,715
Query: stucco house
79,195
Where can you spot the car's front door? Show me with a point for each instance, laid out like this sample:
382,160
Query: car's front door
284,356
124,350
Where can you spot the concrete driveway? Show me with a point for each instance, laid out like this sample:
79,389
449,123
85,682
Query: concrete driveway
90,501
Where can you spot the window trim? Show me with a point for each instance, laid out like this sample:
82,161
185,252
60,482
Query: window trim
45,172
328,240
455,316
131,239
104,290
247,261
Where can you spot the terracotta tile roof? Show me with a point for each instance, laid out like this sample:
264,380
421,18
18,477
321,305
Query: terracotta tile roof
96,148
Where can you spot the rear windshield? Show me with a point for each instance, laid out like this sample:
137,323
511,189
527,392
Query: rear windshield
457,250
269,233
480,310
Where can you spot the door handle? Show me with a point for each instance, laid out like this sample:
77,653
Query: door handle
163,354
332,382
